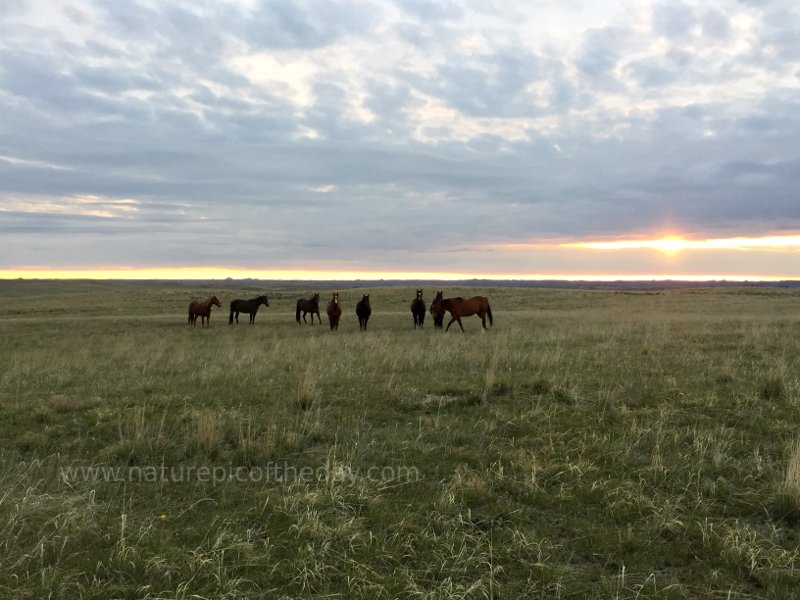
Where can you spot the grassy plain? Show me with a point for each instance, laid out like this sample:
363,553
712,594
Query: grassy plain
593,444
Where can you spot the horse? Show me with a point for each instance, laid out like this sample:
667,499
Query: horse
202,310
437,310
247,306
363,310
418,309
334,311
308,306
458,307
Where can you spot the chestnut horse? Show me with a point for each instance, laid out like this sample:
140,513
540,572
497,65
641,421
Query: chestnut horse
247,306
308,306
334,311
418,309
363,310
458,307
202,310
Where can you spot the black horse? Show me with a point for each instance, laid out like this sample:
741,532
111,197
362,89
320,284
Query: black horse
438,310
418,310
308,306
246,306
363,310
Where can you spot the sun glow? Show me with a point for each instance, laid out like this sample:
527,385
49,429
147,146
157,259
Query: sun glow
673,245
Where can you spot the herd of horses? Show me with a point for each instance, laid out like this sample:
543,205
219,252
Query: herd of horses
458,307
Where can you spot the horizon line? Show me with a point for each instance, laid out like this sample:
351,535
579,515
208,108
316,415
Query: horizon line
222,274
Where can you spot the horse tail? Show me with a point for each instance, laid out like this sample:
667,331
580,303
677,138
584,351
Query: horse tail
230,319
297,312
489,313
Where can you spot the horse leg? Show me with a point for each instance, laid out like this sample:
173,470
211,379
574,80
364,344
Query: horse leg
453,320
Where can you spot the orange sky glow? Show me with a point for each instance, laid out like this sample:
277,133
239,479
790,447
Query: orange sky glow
673,244
534,261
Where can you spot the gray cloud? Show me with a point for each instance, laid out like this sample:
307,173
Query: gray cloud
307,23
391,131
673,19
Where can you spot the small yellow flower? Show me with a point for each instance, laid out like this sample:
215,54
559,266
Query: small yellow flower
162,517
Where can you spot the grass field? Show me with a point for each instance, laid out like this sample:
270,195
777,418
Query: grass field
590,445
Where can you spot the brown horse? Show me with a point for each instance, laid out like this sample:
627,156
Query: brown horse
308,306
437,310
458,307
202,310
418,309
334,311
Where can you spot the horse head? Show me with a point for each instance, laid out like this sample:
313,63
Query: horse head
264,300
215,301
419,294
335,298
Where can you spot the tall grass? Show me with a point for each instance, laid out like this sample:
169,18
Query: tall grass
590,445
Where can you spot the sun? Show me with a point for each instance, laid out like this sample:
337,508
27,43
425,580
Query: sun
670,245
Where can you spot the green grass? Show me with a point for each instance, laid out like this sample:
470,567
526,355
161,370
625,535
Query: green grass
590,445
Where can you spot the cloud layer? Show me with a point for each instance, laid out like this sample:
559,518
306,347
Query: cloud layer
389,136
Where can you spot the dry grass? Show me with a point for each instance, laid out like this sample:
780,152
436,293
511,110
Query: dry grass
591,445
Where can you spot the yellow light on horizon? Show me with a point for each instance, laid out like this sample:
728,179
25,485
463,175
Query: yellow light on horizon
673,245
223,273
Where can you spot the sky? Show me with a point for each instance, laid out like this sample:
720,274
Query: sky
414,138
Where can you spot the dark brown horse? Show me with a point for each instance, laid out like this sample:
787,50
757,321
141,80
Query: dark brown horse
458,307
418,310
308,306
334,311
363,310
438,310
247,306
202,310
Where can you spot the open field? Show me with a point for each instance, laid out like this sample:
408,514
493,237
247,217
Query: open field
591,445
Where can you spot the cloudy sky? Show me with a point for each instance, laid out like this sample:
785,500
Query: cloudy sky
454,137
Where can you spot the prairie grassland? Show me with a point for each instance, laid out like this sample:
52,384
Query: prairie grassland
591,445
